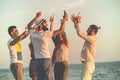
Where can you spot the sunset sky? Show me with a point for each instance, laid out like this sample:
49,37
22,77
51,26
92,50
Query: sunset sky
104,13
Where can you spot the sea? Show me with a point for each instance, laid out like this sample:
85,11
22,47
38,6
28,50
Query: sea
103,71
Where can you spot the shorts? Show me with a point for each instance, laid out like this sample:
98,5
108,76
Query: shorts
17,71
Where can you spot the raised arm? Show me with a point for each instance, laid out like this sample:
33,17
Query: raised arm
38,15
51,23
77,20
63,25
21,37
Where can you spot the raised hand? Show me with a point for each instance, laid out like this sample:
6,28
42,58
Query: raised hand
26,33
73,18
65,17
78,19
38,15
51,23
51,18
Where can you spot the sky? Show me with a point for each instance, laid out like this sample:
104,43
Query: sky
104,13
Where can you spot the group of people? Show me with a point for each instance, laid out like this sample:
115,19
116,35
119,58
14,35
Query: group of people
43,66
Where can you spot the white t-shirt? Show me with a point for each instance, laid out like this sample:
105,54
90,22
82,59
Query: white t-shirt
40,42
15,52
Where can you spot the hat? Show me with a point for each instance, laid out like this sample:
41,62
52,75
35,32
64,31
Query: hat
38,22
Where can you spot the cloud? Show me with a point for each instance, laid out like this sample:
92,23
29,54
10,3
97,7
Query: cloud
67,6
75,4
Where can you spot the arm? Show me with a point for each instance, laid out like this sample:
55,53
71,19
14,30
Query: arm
67,43
76,21
80,32
21,37
51,23
38,15
63,25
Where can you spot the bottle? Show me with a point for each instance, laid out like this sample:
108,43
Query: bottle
65,14
78,14
51,17
26,28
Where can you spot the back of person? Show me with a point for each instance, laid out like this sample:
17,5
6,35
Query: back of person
62,53
60,58
40,42
43,64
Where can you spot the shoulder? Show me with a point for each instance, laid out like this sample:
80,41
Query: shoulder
92,38
9,41
31,30
50,33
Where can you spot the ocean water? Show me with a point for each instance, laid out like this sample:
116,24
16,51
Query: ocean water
103,71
